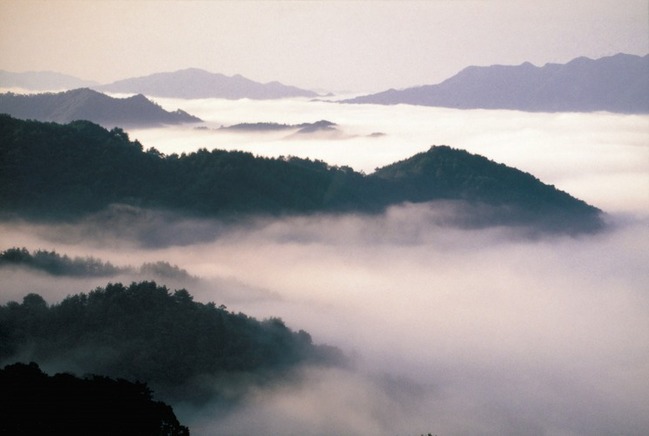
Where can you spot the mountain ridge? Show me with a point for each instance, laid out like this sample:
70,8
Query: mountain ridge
57,171
87,104
618,83
192,83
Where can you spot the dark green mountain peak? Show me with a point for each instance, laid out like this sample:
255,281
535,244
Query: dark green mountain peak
443,172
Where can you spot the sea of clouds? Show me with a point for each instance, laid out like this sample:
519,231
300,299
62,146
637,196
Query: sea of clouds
451,331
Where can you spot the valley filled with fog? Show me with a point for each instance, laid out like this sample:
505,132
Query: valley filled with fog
450,330
598,157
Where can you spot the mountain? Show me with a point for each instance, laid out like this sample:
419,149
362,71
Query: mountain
617,83
446,173
196,83
42,81
51,171
86,104
146,332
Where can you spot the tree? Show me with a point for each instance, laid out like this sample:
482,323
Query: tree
34,403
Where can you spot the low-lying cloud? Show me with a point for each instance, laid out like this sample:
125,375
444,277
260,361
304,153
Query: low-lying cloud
451,329
499,335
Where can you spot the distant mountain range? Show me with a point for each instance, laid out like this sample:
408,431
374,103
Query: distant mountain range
617,83
86,104
52,171
196,83
189,83
42,81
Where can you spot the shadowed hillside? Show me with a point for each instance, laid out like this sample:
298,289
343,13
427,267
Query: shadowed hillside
446,173
185,350
52,171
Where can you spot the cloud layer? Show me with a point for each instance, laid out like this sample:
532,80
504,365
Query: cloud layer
451,330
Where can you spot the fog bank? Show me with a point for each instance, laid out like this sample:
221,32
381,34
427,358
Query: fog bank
451,330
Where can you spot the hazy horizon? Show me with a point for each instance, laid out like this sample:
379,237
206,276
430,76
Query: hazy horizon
353,46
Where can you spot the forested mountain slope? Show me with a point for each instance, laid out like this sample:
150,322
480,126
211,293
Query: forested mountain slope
148,333
52,171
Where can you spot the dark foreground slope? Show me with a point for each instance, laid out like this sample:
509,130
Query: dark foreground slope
56,171
34,403
86,104
617,83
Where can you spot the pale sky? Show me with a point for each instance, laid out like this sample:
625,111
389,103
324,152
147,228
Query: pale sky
362,46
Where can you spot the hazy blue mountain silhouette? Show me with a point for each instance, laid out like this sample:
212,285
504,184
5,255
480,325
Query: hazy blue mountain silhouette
617,83
42,81
197,83
86,104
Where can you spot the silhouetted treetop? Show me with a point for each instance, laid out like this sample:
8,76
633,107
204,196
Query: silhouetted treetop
33,403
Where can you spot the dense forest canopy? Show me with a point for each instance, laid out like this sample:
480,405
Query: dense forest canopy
146,332
52,171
